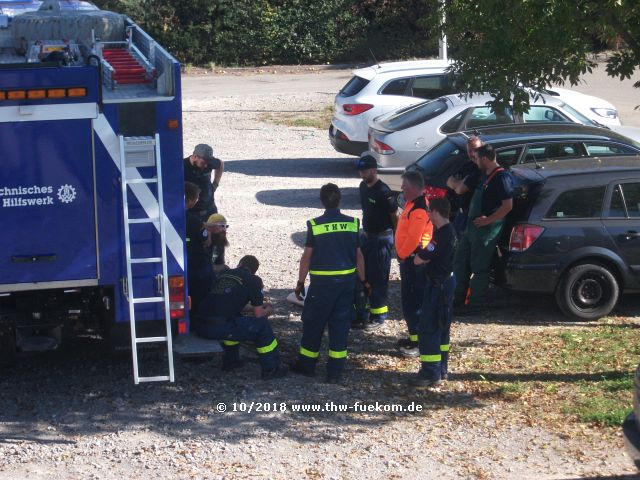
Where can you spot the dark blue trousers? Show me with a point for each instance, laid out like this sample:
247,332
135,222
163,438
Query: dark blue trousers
243,329
377,251
435,326
327,304
199,283
412,281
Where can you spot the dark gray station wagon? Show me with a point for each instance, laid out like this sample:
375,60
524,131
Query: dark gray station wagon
575,233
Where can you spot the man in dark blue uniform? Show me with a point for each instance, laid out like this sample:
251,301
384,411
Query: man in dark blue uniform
332,258
197,169
199,268
219,318
434,325
378,222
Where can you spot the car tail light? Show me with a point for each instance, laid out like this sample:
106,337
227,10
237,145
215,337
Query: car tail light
435,192
382,148
523,236
356,108
342,136
176,296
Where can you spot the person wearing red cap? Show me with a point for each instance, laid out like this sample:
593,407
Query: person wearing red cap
413,232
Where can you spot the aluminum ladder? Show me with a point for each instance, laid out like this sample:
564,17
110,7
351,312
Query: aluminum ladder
136,152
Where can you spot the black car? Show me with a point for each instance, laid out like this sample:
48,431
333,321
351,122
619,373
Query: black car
521,145
574,232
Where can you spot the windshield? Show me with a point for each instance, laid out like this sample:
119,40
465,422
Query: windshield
414,115
580,117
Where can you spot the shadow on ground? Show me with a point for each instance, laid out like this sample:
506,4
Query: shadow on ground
295,167
80,389
306,198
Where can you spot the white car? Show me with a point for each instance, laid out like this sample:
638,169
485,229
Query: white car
594,108
382,88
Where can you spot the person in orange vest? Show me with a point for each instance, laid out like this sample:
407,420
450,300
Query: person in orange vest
413,232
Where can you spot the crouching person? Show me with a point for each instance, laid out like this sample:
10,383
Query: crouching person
220,318
434,324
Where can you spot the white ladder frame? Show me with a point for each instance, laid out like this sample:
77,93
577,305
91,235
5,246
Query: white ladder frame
160,225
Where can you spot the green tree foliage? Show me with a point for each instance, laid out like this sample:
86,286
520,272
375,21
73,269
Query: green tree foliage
501,45
259,32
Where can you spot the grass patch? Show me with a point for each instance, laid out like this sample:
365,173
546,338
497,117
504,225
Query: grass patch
605,402
320,119
512,390
584,374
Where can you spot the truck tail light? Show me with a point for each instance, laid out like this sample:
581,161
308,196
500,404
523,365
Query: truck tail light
56,93
382,148
36,94
435,192
176,297
16,95
523,236
356,108
77,92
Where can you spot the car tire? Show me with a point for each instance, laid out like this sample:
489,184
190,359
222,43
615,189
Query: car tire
587,291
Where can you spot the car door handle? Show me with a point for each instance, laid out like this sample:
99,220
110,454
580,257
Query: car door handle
630,234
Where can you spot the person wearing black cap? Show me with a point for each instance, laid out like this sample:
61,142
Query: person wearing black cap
197,169
378,220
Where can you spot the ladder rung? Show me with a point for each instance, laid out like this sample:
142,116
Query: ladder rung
143,180
150,339
148,300
154,379
146,260
144,220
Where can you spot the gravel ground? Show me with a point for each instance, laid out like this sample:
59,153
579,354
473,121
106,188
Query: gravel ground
76,414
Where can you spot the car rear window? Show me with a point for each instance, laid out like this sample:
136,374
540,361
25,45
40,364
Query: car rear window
414,115
396,87
443,160
353,86
579,203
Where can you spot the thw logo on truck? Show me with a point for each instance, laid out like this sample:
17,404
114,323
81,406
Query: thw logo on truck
66,194
35,195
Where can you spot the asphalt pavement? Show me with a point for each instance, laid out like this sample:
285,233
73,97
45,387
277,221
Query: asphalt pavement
328,80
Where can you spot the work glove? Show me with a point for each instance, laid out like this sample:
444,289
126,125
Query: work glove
299,290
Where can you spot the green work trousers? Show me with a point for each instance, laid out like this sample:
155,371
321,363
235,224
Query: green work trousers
473,261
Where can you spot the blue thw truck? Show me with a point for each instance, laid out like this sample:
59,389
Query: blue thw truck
91,181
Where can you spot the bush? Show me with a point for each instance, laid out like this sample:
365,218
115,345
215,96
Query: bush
259,32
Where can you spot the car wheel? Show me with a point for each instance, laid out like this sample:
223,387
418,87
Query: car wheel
587,292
